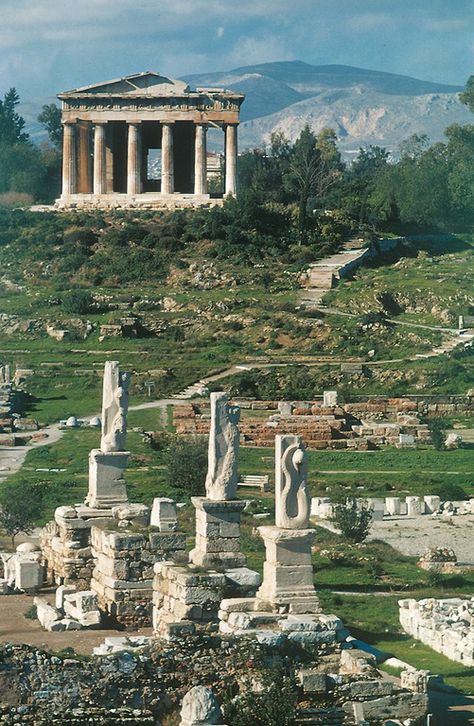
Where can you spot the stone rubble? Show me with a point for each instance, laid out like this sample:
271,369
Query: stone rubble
447,625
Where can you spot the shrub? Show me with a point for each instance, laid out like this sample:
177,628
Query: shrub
78,302
354,521
187,466
274,705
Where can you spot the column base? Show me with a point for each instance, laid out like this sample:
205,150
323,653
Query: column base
217,533
288,585
107,486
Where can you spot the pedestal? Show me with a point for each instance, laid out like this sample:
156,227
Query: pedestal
288,571
217,533
106,482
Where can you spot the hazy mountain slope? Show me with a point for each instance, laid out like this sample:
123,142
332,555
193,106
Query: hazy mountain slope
360,117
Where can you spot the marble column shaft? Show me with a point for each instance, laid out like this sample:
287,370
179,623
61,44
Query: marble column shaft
200,160
231,159
99,159
133,160
69,160
167,163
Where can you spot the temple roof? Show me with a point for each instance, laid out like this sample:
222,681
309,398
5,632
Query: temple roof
147,83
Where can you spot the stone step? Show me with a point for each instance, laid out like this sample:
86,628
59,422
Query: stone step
322,717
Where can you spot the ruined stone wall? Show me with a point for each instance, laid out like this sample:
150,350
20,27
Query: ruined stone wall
123,572
358,426
40,688
67,555
447,626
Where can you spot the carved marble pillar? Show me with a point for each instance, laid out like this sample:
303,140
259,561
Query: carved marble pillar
134,185
200,159
69,159
84,158
99,159
167,164
231,160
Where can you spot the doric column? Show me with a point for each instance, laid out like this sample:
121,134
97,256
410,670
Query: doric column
200,160
69,159
133,162
99,159
231,160
167,165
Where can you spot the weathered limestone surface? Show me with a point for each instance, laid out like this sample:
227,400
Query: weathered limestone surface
123,574
217,533
222,474
447,625
200,708
23,570
114,408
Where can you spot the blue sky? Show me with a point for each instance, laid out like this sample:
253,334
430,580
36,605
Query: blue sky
51,45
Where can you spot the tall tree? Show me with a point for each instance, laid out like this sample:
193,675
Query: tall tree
50,117
12,125
314,167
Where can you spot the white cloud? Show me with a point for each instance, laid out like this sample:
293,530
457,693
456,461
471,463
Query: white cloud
220,31
371,21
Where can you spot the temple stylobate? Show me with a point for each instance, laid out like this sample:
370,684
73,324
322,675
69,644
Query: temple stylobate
141,141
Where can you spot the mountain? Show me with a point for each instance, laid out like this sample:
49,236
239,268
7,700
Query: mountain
363,106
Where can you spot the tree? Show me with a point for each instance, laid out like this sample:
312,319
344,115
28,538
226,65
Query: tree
11,123
20,506
467,96
187,466
313,169
50,117
353,520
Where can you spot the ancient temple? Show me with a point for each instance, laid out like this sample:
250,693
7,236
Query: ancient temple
141,141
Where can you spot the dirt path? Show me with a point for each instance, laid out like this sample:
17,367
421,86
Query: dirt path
15,628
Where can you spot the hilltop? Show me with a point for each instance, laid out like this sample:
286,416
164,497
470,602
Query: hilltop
363,106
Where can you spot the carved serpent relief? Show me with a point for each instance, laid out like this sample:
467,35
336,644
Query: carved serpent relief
293,506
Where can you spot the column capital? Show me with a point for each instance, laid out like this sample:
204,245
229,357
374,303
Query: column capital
69,122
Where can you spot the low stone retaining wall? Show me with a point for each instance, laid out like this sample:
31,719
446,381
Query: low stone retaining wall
359,426
447,626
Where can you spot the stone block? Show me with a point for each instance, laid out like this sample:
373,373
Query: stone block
61,593
432,503
312,681
243,577
163,514
106,479
330,398
355,661
136,513
415,506
392,505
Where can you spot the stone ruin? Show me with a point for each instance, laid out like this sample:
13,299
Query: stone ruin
447,625
410,506
95,546
22,570
324,424
119,563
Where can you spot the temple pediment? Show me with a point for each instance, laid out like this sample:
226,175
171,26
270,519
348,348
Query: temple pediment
148,83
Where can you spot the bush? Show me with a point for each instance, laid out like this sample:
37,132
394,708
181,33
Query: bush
187,466
78,302
274,705
354,521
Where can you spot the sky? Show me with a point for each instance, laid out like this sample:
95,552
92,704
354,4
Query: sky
47,46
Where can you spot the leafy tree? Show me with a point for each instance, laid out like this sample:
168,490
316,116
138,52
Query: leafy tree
187,466
20,506
314,167
354,521
50,117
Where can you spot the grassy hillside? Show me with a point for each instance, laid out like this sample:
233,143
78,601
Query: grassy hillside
198,295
